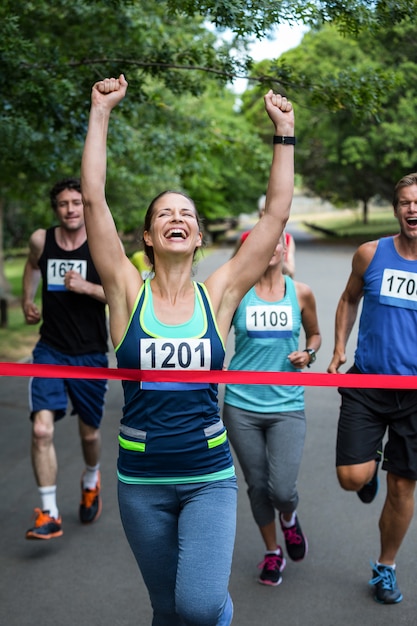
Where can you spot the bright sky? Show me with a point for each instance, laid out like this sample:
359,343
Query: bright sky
285,38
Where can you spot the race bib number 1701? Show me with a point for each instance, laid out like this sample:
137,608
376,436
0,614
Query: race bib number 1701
399,289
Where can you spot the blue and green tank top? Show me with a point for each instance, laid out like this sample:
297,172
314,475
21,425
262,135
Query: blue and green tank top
172,432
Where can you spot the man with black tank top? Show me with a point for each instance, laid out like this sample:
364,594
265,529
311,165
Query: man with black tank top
73,332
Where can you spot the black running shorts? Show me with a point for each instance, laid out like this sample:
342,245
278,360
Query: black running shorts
371,417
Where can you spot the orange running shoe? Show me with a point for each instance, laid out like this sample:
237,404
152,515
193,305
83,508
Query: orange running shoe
90,505
46,527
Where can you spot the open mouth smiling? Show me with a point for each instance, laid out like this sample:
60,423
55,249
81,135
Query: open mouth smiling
176,233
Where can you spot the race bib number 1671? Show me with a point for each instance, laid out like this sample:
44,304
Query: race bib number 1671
57,268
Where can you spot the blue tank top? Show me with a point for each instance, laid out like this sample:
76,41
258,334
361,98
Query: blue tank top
265,333
172,432
387,333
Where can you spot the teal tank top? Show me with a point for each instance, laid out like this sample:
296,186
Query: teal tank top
265,333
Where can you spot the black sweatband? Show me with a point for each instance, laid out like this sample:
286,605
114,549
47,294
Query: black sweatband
282,139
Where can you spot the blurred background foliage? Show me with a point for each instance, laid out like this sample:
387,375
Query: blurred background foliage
182,126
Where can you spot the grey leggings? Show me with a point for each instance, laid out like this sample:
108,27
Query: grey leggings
269,448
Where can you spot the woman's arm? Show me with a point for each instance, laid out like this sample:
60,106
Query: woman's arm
120,279
230,282
309,320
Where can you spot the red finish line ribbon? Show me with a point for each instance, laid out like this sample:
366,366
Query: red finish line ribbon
306,379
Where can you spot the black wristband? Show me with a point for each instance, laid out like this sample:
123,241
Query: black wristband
291,141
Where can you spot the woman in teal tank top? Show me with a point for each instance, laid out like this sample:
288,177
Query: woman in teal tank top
266,423
177,486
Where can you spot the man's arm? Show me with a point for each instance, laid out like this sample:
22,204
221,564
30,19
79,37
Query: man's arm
75,282
347,308
31,277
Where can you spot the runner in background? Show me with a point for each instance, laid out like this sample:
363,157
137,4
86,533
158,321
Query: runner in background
266,423
73,332
289,260
142,264
384,278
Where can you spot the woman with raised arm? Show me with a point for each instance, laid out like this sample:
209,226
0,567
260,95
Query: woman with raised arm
176,481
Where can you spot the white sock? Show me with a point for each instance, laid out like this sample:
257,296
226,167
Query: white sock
48,499
393,566
90,477
290,523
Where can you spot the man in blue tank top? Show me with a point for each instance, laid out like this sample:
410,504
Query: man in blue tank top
384,274
73,332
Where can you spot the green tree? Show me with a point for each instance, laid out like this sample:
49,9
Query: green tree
49,53
349,153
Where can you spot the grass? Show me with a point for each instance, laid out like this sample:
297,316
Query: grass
348,225
18,338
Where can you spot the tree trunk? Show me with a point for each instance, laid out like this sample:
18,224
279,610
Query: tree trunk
365,211
5,290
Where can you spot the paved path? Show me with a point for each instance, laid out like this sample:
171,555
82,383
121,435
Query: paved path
89,578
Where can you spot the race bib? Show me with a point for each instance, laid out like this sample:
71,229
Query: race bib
57,268
271,321
175,354
399,288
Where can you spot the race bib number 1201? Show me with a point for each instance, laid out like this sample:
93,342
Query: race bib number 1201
175,354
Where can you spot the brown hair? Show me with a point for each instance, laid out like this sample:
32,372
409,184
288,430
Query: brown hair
149,215
66,183
405,181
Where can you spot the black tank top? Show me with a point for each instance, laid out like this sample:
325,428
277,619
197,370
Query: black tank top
72,323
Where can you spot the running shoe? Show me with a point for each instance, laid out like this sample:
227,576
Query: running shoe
295,540
271,567
90,505
46,527
385,582
368,492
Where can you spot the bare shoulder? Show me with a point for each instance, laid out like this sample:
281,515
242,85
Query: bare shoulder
363,256
305,295
37,243
302,288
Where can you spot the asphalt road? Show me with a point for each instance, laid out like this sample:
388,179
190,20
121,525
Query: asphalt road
89,577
